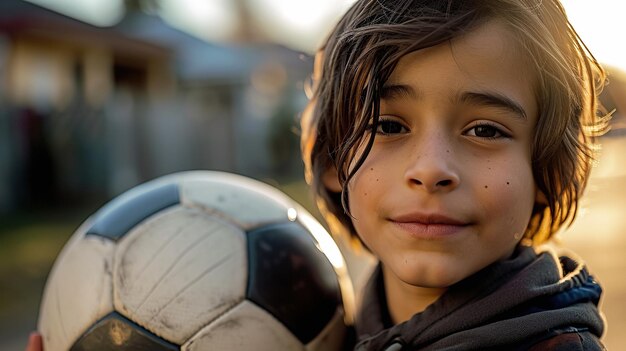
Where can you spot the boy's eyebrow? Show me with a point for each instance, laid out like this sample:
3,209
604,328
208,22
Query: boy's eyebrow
397,91
493,99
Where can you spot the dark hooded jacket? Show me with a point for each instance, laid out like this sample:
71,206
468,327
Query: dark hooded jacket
532,301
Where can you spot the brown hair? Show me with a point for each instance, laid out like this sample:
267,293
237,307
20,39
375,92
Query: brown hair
366,45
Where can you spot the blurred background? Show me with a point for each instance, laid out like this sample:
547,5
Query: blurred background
97,96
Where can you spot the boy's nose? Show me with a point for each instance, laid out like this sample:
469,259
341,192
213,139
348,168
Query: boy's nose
433,171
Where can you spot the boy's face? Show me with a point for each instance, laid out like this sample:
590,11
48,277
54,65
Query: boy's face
447,188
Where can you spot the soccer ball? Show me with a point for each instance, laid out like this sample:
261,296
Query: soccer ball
198,261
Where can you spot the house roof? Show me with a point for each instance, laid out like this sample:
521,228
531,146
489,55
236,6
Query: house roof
142,34
24,19
195,58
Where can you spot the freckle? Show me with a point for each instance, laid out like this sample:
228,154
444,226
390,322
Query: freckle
365,194
376,179
371,169
448,151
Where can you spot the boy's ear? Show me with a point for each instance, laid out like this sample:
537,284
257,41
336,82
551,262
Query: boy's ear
330,179
540,197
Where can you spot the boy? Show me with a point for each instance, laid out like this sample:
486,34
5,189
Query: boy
451,138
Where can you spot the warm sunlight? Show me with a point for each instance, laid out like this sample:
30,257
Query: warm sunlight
600,23
214,20
300,24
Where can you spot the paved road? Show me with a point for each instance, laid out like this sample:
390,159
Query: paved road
598,235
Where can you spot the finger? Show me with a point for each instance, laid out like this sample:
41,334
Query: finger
34,342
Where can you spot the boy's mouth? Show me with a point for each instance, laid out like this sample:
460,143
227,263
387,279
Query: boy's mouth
429,225
428,219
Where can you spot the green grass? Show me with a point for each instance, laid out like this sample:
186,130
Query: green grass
29,244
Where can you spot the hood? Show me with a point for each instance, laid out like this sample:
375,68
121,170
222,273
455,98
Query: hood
519,301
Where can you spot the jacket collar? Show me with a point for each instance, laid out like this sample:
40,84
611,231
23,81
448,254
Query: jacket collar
511,301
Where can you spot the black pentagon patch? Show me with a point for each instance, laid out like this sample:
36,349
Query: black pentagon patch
117,217
292,279
117,333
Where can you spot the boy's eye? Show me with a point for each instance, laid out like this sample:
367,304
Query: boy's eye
390,127
486,131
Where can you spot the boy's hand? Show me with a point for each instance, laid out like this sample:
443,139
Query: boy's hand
34,342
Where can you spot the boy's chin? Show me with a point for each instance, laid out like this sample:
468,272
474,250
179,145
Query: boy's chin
432,276
441,282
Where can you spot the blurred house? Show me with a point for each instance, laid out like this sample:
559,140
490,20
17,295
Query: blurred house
87,112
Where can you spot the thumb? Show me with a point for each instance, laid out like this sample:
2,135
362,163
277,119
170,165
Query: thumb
34,342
